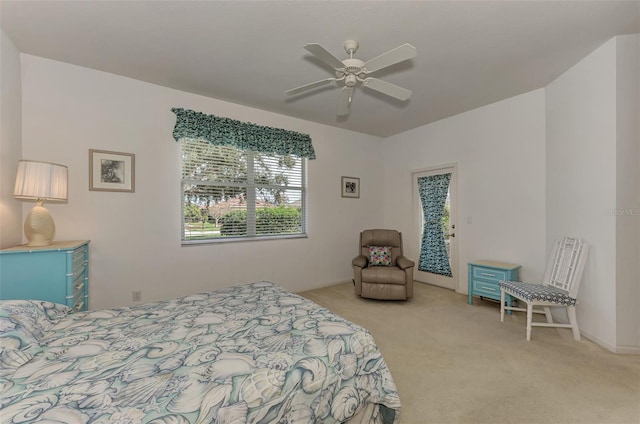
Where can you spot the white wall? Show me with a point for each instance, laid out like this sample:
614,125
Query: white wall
628,192
590,133
499,150
136,237
10,141
532,168
581,180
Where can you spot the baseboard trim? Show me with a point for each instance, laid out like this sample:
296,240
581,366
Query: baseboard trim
628,350
598,341
621,350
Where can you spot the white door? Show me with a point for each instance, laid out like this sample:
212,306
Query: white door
436,256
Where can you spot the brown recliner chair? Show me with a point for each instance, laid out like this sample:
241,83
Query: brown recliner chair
393,282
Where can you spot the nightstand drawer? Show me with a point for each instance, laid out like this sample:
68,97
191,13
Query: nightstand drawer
486,289
489,274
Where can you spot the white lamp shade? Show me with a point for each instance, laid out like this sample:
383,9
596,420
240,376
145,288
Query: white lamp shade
41,180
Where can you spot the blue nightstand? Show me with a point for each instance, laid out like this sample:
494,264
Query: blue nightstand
485,277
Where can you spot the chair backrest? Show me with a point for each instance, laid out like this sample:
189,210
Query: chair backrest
565,266
391,238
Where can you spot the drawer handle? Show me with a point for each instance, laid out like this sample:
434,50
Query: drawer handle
487,274
488,288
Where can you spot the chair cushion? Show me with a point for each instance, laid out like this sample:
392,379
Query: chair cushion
384,275
379,255
532,291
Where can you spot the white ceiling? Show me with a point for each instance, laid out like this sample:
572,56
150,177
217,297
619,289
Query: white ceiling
470,53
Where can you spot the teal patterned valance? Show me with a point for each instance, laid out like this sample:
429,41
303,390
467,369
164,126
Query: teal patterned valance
243,135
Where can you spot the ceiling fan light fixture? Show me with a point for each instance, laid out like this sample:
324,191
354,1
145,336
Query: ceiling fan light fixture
352,70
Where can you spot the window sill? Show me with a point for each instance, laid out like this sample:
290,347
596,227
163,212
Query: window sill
240,239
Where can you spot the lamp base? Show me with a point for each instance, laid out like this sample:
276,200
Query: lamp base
39,227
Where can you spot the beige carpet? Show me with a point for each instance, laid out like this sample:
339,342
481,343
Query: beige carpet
457,363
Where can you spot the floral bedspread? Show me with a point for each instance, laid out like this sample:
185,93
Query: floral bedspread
254,353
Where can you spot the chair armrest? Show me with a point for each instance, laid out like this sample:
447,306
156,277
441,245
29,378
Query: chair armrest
359,261
404,263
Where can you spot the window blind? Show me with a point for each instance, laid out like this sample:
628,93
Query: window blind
234,193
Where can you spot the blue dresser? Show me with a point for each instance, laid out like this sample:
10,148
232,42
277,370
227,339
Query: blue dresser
58,273
485,277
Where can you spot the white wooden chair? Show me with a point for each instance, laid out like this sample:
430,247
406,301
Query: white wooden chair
559,287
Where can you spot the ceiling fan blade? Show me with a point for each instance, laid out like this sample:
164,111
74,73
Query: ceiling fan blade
309,86
397,55
387,88
344,103
324,55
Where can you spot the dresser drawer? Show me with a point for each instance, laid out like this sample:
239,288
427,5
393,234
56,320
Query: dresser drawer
80,256
489,274
79,307
79,269
78,289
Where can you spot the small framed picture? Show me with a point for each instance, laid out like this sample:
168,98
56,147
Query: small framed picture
111,171
350,187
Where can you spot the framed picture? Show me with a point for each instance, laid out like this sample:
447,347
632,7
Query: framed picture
111,171
350,187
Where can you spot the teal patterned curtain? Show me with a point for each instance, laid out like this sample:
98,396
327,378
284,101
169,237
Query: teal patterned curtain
433,251
243,135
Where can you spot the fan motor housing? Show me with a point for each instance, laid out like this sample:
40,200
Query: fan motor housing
351,67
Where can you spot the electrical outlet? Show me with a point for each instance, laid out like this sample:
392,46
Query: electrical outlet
137,296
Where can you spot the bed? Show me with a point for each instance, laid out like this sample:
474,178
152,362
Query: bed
254,353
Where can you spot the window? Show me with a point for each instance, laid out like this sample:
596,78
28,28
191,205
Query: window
231,193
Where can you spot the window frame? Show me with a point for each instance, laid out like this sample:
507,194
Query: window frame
251,189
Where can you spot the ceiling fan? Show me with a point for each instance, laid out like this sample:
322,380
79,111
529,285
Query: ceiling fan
352,71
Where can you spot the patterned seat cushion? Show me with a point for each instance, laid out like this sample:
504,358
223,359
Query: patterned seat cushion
531,291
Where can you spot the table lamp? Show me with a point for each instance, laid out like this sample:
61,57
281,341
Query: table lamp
40,181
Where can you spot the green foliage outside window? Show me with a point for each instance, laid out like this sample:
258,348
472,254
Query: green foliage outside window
193,213
276,220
